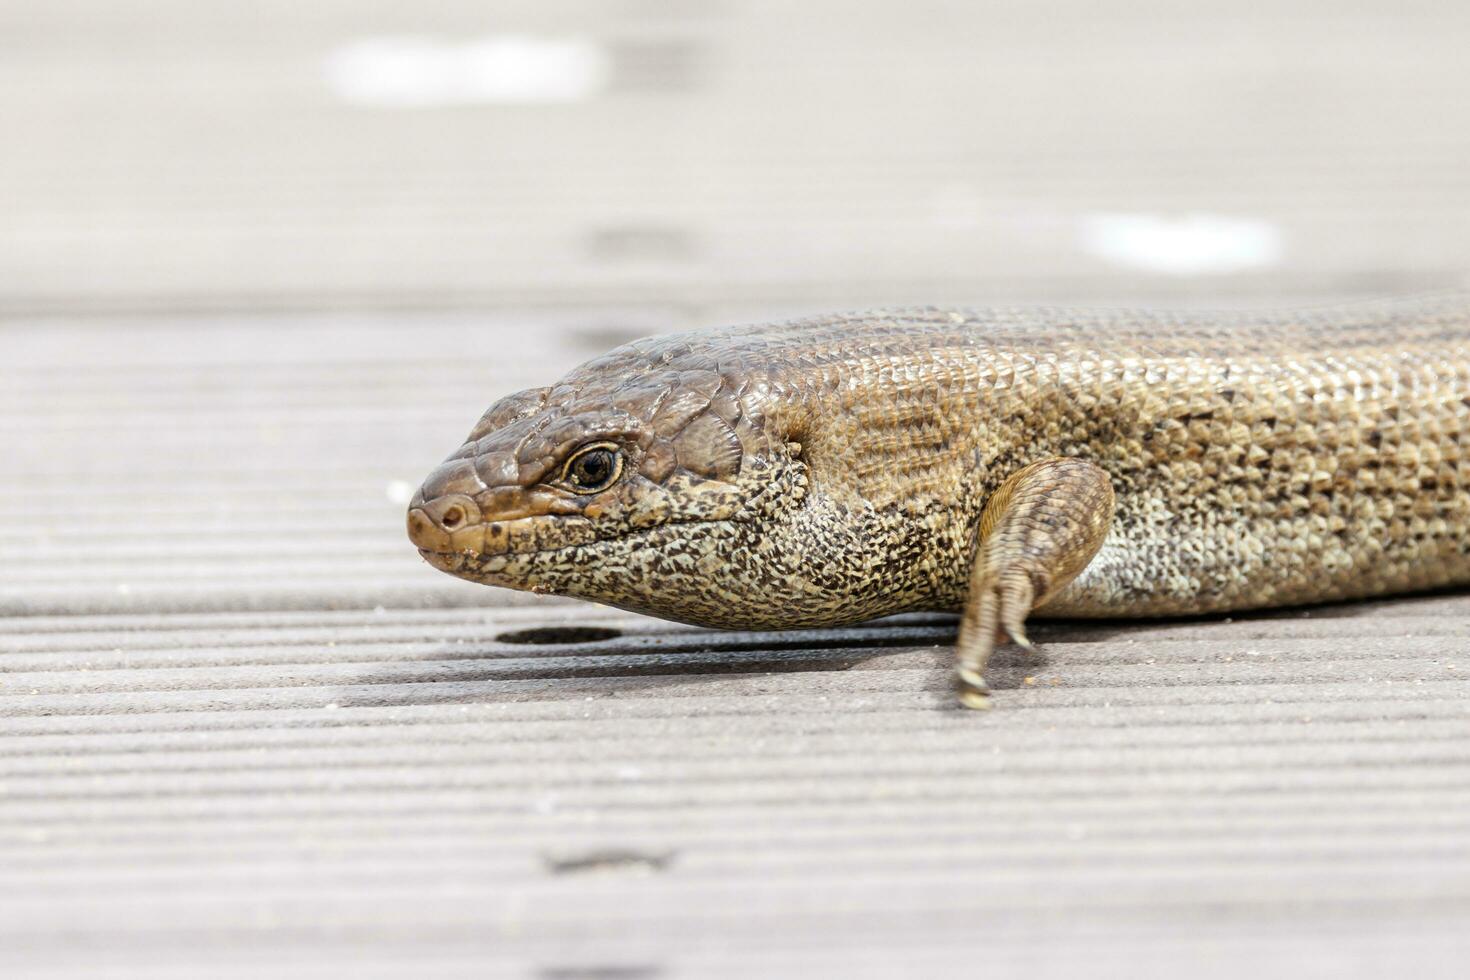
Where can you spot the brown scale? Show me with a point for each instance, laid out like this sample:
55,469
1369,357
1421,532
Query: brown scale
994,463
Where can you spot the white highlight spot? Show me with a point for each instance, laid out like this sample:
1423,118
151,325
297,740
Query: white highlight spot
409,72
399,492
1193,244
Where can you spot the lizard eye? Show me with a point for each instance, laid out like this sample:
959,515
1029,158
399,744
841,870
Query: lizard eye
593,468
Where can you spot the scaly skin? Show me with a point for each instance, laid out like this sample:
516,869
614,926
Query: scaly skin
836,469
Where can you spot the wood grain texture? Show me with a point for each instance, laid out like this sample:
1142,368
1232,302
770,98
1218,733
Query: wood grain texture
244,733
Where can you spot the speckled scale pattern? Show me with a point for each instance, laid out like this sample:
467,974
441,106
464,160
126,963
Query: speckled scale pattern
834,469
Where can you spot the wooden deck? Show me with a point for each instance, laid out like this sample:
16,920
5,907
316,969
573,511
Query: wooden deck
244,731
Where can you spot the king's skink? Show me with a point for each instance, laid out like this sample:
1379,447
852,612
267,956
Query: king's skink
991,462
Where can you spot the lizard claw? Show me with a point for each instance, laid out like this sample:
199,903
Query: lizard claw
975,700
974,692
972,680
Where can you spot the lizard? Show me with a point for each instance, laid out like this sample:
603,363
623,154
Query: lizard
1003,464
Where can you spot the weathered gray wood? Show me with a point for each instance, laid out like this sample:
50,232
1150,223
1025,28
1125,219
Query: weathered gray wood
248,771
244,732
188,156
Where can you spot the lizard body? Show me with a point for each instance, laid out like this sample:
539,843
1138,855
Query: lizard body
1081,463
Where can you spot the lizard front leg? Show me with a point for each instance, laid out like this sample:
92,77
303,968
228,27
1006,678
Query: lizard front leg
1037,532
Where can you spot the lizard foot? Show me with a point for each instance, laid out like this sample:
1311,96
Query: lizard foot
1038,530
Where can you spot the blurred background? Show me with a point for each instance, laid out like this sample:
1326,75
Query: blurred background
184,156
263,264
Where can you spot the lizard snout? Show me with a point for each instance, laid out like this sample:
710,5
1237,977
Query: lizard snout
443,515
445,523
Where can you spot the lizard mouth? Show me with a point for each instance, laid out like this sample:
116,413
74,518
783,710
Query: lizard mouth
439,540
468,562
445,561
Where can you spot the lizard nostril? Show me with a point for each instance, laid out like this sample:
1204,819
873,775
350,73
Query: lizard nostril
452,518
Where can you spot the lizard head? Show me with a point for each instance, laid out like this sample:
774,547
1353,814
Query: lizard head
635,482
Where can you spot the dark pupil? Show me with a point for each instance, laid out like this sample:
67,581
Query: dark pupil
593,468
